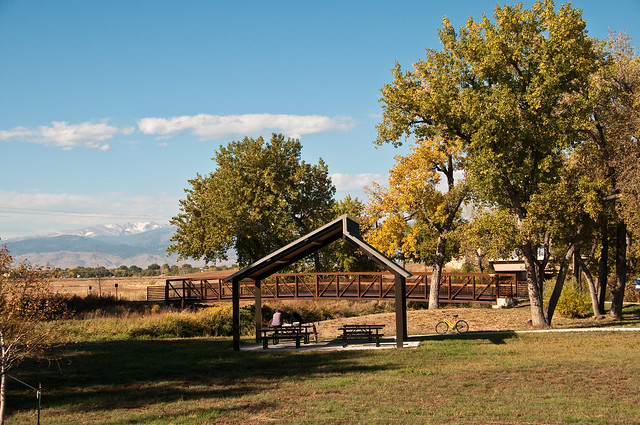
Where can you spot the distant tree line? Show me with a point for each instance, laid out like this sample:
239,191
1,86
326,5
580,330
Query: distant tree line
131,271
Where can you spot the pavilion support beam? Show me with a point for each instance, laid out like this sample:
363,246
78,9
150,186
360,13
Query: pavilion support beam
258,310
235,294
401,309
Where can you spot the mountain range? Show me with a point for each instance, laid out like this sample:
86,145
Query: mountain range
110,246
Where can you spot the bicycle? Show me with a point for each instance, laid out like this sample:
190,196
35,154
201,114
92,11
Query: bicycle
460,326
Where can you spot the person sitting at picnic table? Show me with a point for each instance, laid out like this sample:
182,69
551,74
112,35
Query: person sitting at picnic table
296,319
276,320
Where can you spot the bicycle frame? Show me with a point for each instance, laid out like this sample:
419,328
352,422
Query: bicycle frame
453,323
449,323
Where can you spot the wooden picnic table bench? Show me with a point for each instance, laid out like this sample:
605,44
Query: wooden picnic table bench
368,332
296,333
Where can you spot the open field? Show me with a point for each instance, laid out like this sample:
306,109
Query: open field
477,378
129,288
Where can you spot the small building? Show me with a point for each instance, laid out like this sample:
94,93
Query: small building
511,266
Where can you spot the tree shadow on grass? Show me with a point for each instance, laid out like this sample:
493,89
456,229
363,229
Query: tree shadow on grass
134,374
494,337
630,317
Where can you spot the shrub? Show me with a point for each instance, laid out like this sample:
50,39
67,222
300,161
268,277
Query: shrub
572,302
316,311
210,321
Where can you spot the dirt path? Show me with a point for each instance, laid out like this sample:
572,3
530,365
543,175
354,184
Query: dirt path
423,322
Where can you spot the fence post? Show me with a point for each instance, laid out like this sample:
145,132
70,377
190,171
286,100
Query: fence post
474,288
166,291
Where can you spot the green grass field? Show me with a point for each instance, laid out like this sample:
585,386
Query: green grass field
502,379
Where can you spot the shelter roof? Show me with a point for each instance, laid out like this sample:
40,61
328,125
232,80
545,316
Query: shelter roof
343,227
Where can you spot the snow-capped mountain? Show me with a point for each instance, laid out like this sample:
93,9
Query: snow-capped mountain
109,245
111,230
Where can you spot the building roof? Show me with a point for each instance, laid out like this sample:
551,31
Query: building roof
342,227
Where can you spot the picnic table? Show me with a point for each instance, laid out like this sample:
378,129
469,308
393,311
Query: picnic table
368,332
277,333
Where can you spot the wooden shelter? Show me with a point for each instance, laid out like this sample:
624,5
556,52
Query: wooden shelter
343,227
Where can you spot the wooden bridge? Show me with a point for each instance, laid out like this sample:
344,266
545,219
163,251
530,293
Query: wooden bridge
454,287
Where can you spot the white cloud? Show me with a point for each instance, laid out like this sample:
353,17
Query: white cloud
27,214
355,182
67,136
216,127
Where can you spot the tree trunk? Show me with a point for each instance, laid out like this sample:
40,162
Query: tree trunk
576,269
316,262
534,285
573,253
3,378
603,264
479,258
557,289
3,386
597,312
621,270
436,273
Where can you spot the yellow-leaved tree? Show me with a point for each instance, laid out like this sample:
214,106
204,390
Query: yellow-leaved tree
414,216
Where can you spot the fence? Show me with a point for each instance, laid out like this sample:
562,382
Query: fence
454,287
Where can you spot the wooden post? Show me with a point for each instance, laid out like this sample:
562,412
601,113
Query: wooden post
401,310
235,294
258,311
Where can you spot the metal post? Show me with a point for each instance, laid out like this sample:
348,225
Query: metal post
37,390
39,395
258,310
235,294
401,310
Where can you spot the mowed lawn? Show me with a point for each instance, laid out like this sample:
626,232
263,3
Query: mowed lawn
588,377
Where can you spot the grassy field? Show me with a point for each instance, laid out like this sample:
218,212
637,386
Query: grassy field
130,288
499,379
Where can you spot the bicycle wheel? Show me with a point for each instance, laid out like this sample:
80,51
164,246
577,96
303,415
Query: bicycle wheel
462,326
442,328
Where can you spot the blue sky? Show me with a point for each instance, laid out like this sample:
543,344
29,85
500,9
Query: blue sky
107,108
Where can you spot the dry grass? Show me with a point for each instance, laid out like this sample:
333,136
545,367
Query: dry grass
129,288
422,322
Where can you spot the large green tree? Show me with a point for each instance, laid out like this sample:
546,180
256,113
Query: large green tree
610,155
341,256
512,90
260,197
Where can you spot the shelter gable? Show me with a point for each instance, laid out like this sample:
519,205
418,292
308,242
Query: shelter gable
344,226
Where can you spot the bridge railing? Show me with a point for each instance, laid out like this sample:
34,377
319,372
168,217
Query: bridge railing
454,287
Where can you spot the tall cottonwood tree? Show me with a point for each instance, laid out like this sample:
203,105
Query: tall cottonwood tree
512,91
343,256
613,150
490,233
414,216
260,197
